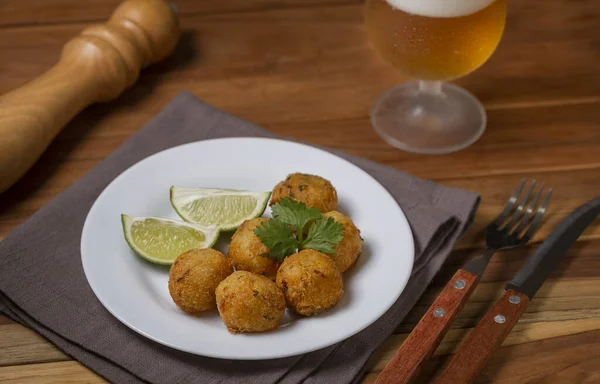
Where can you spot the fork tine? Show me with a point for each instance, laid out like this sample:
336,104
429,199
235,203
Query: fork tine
519,211
510,204
529,211
538,217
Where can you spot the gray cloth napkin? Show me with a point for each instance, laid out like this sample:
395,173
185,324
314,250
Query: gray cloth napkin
42,284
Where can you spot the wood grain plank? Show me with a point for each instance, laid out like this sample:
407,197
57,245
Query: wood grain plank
517,141
21,345
5,320
35,12
560,359
523,333
50,373
535,140
274,63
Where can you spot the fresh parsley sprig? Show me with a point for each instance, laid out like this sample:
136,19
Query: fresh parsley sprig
296,214
323,235
278,237
284,234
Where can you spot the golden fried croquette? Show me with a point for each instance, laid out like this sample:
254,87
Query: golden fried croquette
248,302
314,191
347,250
194,277
310,281
248,253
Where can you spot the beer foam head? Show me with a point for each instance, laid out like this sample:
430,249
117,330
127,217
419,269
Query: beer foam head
440,8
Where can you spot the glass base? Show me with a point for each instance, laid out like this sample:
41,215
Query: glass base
428,118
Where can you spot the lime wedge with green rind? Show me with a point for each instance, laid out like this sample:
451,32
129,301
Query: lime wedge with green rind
160,241
225,209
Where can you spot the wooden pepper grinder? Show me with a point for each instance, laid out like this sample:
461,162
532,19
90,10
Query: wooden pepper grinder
95,66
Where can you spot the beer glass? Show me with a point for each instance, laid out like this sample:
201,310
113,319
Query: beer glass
433,41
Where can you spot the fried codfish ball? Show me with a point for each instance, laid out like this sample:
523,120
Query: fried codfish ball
347,250
310,281
248,253
194,277
314,191
248,302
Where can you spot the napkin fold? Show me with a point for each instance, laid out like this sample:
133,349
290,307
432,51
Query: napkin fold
42,284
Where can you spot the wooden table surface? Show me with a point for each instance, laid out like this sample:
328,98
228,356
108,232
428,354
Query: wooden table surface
304,68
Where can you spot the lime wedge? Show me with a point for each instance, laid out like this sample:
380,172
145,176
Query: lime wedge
160,241
225,209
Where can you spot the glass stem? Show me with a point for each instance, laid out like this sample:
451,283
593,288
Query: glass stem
431,87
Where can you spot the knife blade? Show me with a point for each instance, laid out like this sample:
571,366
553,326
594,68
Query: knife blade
495,326
540,265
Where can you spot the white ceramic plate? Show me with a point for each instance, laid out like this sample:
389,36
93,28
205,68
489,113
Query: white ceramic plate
136,292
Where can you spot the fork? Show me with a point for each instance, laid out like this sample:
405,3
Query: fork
514,226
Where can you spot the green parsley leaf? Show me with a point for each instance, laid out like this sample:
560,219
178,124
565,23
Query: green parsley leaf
296,214
284,234
278,237
323,235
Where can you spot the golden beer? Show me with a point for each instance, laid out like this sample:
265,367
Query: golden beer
436,39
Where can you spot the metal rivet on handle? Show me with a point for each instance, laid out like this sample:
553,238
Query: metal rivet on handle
459,284
500,319
514,299
439,312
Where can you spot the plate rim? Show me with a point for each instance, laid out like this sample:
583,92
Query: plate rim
410,246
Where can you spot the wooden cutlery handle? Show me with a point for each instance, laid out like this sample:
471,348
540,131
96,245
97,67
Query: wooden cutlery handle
95,66
485,339
427,335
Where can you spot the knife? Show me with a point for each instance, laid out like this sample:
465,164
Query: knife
493,329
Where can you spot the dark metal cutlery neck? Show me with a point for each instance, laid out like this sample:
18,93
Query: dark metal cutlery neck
477,265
